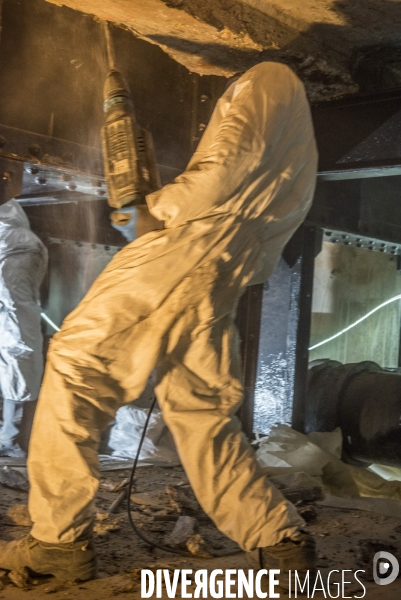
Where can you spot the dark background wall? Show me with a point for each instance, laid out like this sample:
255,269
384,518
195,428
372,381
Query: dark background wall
52,70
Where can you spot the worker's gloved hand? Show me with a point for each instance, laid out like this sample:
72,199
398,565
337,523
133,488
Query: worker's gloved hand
134,221
124,220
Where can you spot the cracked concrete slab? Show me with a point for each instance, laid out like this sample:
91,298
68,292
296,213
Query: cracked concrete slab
344,32
210,49
201,47
338,25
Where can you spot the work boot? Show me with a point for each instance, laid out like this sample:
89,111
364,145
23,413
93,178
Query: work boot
75,561
296,553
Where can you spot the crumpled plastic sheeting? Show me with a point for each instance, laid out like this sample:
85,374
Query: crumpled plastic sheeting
126,431
288,451
372,485
292,458
386,472
125,435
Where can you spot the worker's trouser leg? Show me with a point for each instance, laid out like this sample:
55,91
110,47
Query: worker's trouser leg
9,430
16,429
190,342
28,413
199,398
63,463
63,457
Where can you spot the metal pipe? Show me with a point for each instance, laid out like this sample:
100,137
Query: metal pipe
362,399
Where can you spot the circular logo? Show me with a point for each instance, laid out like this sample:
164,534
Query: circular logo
385,568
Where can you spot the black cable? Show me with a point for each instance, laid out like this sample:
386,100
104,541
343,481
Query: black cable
163,547
130,486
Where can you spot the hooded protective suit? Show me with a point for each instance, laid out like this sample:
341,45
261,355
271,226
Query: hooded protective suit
23,260
167,302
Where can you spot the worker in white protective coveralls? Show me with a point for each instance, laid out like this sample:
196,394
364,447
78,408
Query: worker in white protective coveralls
167,301
23,261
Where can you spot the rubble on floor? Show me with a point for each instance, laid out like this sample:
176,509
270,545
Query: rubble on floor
13,479
327,493
161,500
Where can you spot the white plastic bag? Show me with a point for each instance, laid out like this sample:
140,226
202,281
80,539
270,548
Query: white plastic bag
125,435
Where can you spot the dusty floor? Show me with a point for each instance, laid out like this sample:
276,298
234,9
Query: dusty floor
337,533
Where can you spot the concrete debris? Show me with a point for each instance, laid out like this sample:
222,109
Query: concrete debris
107,485
118,501
147,500
13,479
19,515
101,516
185,535
197,546
111,486
122,485
183,530
103,527
182,499
20,578
308,513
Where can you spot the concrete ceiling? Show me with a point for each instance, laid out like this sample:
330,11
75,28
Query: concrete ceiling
320,39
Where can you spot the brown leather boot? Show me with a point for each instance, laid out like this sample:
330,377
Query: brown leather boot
296,553
75,561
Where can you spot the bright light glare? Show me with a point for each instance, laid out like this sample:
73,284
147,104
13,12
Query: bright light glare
46,318
333,337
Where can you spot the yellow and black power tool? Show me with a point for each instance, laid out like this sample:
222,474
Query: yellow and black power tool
129,158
